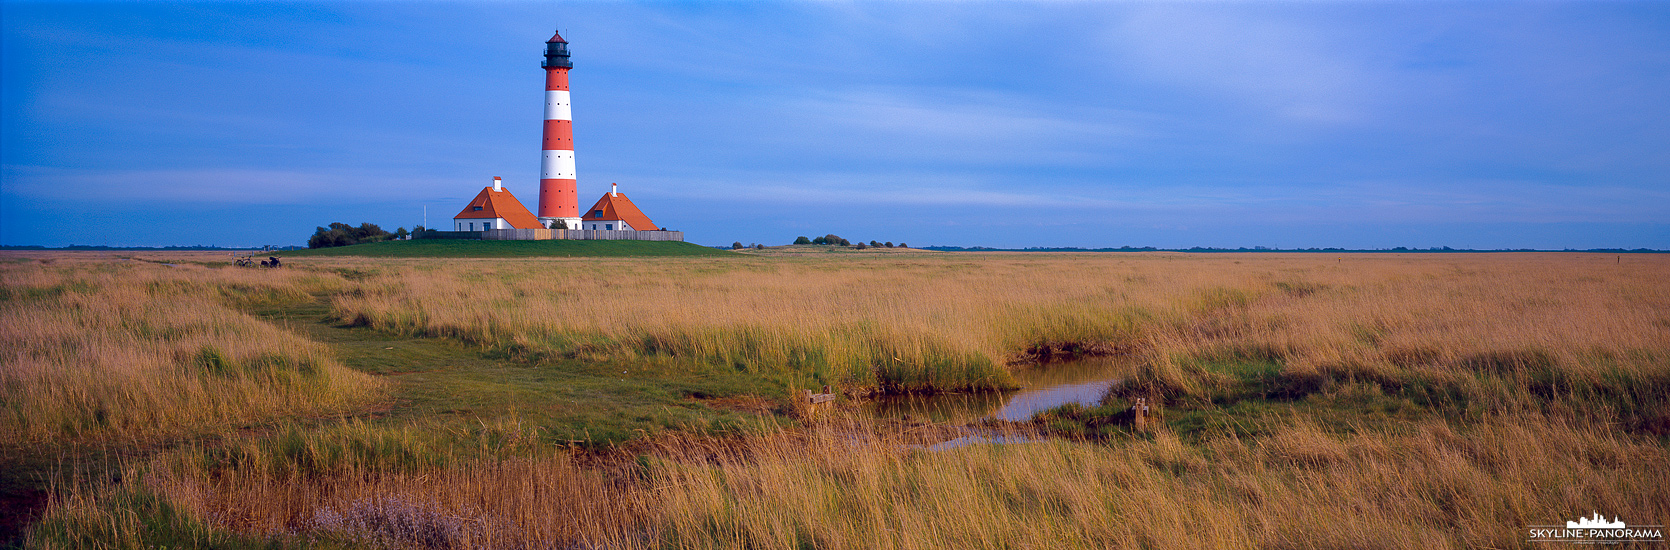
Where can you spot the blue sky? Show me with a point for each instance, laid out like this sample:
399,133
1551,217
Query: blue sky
1290,124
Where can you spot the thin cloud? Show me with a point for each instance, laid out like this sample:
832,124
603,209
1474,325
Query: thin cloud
210,185
1292,68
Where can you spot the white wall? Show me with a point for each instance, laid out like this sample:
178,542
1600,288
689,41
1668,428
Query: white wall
481,224
608,225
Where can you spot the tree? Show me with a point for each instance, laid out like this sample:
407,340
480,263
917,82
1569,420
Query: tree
736,245
874,244
400,233
419,229
902,245
831,239
341,234
860,246
802,240
889,244
759,247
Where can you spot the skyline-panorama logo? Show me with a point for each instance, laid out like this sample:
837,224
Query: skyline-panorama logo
1596,530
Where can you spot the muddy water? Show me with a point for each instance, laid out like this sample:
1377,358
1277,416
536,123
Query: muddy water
1042,387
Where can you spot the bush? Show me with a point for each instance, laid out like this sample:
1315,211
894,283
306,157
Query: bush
736,245
759,247
341,234
860,246
802,240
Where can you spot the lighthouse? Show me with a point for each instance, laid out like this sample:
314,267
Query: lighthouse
558,201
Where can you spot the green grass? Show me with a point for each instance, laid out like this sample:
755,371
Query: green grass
450,403
440,382
455,248
131,518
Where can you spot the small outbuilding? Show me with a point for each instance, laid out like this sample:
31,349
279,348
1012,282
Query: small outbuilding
495,208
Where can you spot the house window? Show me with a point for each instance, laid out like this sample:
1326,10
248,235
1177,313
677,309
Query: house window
478,208
597,213
609,226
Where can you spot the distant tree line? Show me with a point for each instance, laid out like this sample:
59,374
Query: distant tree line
830,239
341,234
833,239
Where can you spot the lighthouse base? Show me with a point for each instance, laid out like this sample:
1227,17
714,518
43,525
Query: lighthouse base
570,223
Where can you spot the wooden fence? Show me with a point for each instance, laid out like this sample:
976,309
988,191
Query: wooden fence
517,234
549,234
616,235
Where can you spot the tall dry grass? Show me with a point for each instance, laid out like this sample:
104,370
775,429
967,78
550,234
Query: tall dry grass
1556,362
841,485
953,321
125,350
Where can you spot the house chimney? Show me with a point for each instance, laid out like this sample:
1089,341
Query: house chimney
614,190
498,184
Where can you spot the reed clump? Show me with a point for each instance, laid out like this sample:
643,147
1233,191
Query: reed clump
126,351
1552,324
841,485
1374,401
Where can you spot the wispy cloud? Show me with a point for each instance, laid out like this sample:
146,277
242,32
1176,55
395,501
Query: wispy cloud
211,185
1216,114
975,128
1285,67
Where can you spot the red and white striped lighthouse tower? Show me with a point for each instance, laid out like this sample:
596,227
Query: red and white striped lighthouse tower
557,199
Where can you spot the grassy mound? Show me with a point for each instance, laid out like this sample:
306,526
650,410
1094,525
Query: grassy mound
448,248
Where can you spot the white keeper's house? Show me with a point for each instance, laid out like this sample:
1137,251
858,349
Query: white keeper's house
615,212
495,208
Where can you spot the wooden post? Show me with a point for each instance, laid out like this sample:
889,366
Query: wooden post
1141,416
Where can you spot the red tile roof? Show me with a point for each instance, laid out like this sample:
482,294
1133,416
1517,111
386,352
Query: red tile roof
556,37
616,207
500,204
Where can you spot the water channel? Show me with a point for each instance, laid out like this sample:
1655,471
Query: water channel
1042,387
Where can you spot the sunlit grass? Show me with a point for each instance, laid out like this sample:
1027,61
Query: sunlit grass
125,351
1382,401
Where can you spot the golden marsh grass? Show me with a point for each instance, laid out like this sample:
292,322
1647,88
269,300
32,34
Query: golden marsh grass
850,486
122,350
1527,389
920,322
